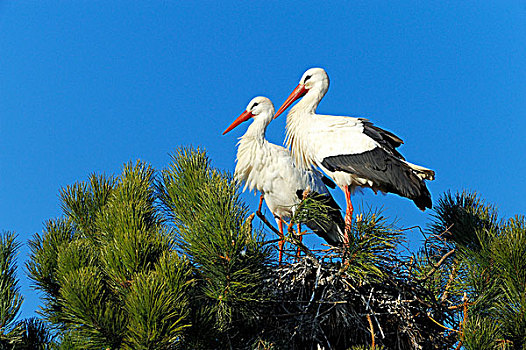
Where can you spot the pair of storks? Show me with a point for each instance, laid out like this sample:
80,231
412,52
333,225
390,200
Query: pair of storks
351,151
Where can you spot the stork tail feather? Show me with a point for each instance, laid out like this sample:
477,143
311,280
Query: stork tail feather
421,172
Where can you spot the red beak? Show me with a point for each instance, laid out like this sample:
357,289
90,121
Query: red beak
298,92
246,115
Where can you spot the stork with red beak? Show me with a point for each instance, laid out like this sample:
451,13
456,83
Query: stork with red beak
351,151
269,168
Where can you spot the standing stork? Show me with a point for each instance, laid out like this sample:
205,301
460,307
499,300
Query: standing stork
269,168
351,151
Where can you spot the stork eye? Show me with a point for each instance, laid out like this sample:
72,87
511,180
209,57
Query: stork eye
254,105
307,78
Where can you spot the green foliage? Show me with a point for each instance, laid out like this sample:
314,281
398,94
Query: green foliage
488,266
88,308
372,248
10,300
34,335
506,300
132,237
14,334
65,341
157,305
43,262
373,239
140,261
212,230
97,264
464,219
314,207
482,333
83,202
115,274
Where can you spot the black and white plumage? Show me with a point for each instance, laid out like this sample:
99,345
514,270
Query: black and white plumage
351,151
269,168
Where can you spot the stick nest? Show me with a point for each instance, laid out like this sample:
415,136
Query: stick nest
318,305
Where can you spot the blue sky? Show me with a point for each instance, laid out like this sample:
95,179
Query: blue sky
89,85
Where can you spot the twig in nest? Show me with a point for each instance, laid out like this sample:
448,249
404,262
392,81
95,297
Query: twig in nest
318,273
368,307
371,329
310,255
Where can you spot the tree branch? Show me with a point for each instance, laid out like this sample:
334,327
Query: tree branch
437,265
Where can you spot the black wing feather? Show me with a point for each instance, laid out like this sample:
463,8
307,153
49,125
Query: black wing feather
386,139
386,171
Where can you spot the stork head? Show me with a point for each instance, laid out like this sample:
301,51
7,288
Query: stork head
258,108
315,78
314,82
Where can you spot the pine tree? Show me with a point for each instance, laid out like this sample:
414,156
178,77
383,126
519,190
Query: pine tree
10,300
489,265
16,334
107,269
115,274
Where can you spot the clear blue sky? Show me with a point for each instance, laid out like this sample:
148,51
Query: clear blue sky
89,85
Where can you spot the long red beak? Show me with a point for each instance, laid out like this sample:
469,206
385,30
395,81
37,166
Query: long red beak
246,115
298,92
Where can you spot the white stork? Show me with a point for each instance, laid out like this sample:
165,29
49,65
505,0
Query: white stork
351,151
269,168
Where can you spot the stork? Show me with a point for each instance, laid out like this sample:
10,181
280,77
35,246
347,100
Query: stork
351,151
269,168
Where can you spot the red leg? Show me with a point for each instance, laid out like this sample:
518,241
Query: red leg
300,238
281,241
260,203
348,215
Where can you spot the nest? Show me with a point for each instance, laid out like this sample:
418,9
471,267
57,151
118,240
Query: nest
317,305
